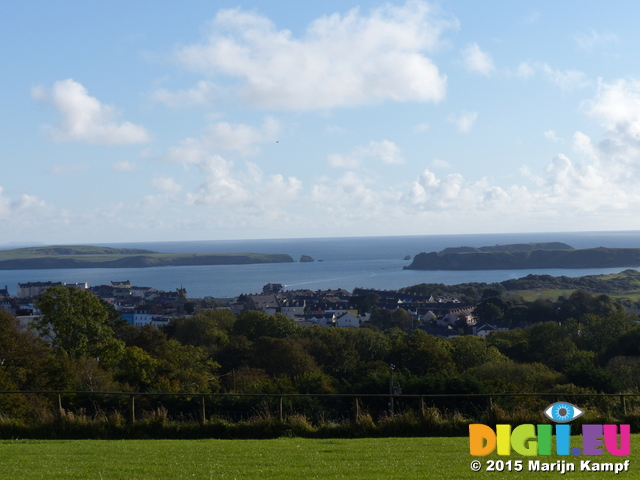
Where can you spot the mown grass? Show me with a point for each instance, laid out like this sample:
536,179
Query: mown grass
539,294
286,458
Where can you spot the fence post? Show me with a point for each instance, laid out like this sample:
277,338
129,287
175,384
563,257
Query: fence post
133,409
280,413
356,407
60,410
204,411
422,406
623,401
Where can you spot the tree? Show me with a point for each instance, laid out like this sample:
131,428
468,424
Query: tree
254,324
581,303
208,329
365,302
423,354
77,323
492,309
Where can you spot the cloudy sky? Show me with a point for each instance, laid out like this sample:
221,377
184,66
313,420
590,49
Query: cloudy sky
198,120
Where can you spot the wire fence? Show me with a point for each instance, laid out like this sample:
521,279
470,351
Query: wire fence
326,406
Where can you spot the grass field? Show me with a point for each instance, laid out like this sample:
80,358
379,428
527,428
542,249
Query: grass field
285,458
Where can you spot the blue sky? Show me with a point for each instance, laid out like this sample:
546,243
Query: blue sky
197,120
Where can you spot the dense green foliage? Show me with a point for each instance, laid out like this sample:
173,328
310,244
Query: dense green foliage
526,259
584,343
627,281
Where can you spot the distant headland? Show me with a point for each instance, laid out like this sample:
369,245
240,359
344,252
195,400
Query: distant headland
82,256
525,256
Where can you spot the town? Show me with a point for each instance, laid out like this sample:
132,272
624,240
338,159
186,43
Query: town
142,305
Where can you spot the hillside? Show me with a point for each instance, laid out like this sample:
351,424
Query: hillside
82,256
514,247
507,258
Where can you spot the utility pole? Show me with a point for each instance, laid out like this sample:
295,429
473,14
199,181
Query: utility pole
392,367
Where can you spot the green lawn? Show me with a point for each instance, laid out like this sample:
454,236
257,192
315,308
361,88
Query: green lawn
286,458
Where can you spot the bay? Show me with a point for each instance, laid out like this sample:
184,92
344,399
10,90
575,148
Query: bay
367,262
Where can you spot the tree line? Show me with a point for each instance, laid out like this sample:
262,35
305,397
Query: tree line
582,344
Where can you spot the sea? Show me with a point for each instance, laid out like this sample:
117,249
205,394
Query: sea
348,263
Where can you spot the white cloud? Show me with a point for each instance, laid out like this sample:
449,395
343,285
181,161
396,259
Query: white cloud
62,170
84,119
599,185
225,186
201,94
384,151
618,106
166,185
246,191
422,127
241,138
564,79
124,166
594,39
353,197
10,207
28,217
439,163
583,145
551,135
464,122
341,60
477,61
525,70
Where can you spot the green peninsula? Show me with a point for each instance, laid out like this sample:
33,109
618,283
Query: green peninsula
525,256
82,256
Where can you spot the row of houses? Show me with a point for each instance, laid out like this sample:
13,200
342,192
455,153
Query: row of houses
324,308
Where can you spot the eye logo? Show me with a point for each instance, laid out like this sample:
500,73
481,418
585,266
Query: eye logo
562,412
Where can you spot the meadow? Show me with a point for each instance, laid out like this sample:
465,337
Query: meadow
283,458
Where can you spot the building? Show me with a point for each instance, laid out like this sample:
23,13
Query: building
33,289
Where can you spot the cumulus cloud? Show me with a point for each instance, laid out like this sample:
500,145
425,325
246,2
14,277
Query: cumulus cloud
9,207
341,60
464,121
597,182
477,61
28,215
617,105
225,185
384,151
84,118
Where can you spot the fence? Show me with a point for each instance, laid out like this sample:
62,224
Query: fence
235,406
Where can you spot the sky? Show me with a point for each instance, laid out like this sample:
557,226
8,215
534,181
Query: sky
203,120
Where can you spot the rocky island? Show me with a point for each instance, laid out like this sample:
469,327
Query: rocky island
525,256
82,256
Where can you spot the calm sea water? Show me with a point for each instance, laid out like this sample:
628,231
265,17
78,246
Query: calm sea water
368,262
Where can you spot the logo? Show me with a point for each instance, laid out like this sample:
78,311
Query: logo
529,439
561,412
